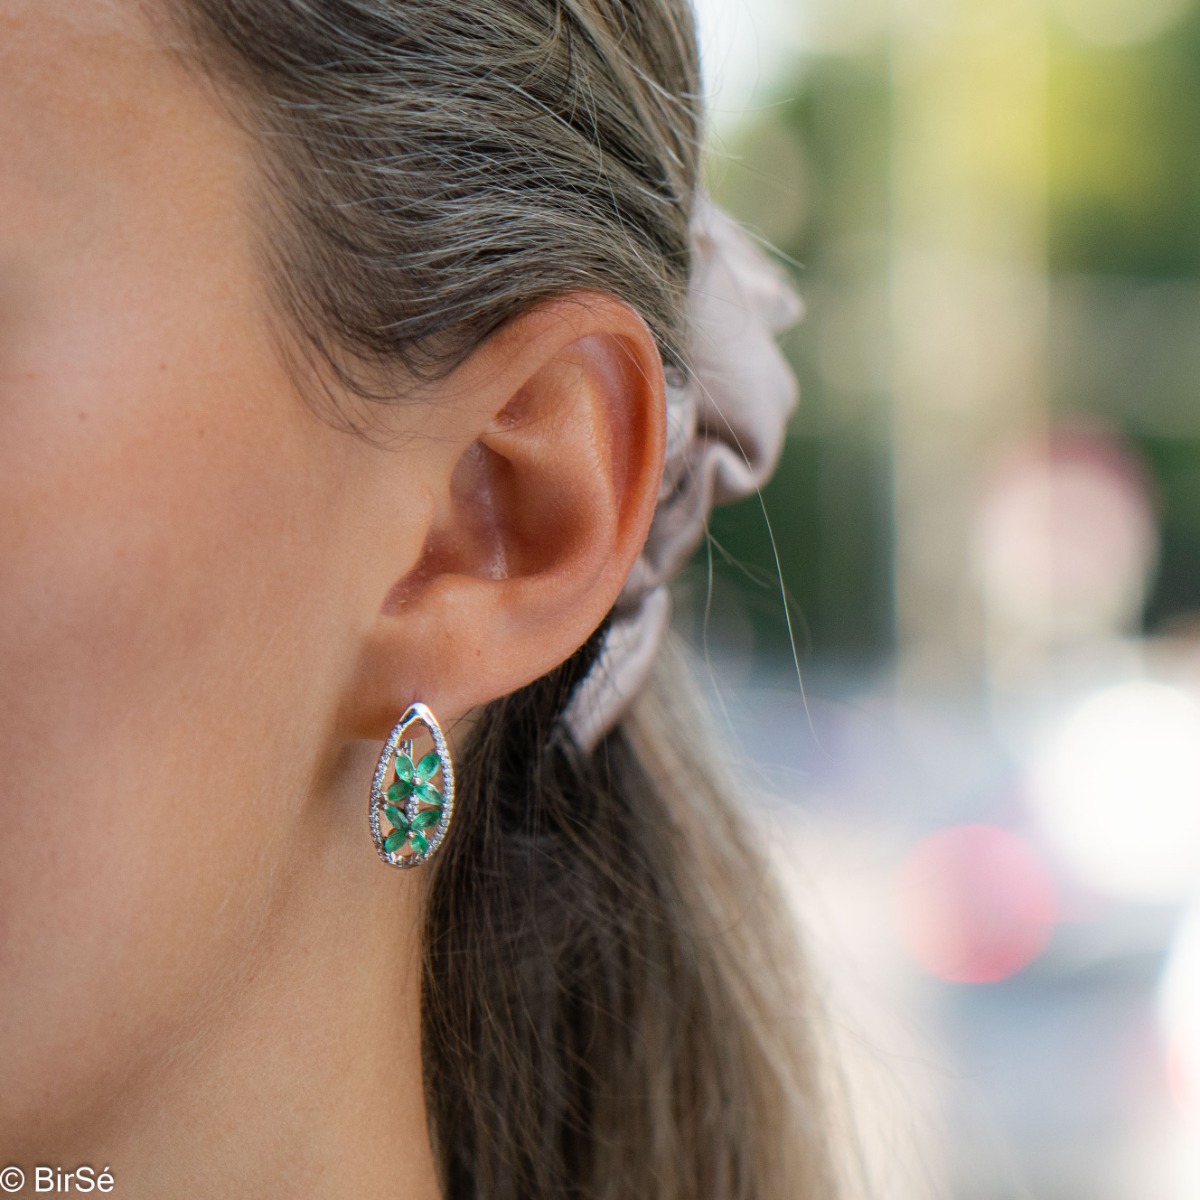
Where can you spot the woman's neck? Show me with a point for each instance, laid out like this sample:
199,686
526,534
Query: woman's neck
300,1074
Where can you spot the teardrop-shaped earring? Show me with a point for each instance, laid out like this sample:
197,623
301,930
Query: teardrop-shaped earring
412,799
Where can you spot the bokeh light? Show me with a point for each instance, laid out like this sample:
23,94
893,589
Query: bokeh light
974,904
1118,789
1067,537
1179,1011
988,519
1179,1016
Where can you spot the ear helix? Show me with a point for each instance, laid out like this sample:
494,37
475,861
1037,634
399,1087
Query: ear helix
412,799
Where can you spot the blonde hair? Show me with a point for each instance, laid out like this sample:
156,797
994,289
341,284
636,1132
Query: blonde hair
612,1004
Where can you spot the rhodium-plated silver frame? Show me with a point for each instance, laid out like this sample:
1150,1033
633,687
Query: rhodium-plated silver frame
400,741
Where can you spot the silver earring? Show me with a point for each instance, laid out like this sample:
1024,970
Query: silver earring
412,799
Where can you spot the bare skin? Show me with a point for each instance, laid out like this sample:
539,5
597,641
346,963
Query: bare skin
213,607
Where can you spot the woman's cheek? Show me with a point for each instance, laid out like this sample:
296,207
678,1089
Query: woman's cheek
146,563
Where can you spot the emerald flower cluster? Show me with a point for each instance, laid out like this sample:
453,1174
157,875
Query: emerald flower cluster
413,780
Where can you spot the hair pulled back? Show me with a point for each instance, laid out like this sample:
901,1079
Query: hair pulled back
611,1008
442,165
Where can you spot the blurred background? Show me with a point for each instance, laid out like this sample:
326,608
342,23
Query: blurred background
987,526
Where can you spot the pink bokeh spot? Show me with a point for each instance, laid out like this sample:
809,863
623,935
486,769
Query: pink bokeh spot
974,904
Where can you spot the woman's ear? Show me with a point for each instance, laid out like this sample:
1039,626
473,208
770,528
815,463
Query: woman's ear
549,454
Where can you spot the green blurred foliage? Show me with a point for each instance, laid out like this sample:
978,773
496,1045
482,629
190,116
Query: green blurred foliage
1123,133
810,173
1174,463
1123,164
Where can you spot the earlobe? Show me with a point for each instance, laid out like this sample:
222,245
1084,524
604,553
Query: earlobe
538,519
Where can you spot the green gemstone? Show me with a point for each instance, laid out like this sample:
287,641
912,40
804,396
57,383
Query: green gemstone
423,820
395,841
428,766
400,791
404,768
428,794
418,843
397,818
